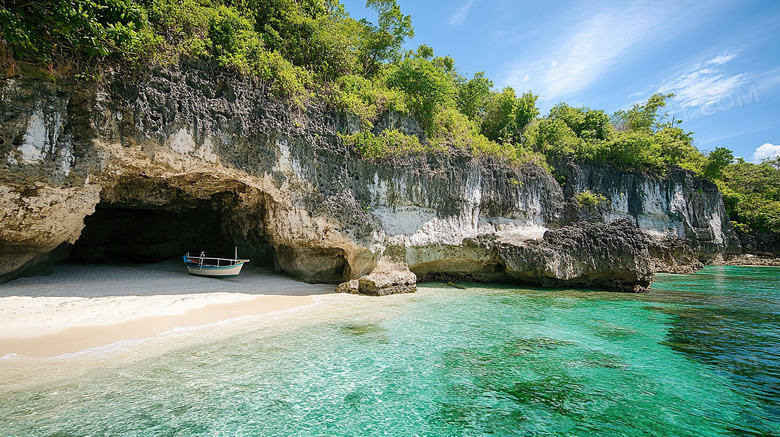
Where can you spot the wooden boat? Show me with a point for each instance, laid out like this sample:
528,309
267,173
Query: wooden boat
203,265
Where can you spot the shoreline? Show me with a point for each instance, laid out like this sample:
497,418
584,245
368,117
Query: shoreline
77,308
75,339
749,261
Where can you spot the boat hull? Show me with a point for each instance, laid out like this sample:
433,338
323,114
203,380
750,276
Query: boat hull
215,271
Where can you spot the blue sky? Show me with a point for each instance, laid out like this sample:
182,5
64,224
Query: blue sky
720,58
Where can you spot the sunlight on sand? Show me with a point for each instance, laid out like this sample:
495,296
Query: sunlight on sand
82,306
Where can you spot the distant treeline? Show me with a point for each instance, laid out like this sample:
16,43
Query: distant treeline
311,50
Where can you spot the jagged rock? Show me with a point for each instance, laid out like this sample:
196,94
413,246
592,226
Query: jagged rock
673,255
761,244
348,287
284,188
388,278
613,256
674,210
749,260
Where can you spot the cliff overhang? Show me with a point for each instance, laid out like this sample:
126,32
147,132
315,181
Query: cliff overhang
185,158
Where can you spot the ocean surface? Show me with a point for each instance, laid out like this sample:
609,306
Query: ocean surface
698,356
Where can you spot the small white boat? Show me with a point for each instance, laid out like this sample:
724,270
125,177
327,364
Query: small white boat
203,265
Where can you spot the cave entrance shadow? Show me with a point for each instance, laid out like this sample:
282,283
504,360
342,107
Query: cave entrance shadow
115,234
136,251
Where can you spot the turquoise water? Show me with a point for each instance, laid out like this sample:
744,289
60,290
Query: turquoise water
700,355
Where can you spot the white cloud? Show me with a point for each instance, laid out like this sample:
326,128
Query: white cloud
459,17
721,59
768,80
578,55
764,152
702,84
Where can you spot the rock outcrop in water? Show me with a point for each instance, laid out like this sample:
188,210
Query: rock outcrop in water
190,149
612,256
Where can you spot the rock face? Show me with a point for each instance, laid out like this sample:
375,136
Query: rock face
612,256
759,249
683,216
188,157
388,278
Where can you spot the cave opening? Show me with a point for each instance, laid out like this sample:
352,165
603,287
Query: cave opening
146,235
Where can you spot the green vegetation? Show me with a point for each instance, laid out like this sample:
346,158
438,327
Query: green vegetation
390,142
588,198
633,139
751,193
42,30
311,50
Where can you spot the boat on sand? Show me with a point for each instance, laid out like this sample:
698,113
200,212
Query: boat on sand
203,265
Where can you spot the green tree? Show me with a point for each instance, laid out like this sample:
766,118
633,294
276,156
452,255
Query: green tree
716,161
627,150
752,195
428,88
473,96
424,52
774,162
35,30
676,147
642,117
553,138
506,115
383,41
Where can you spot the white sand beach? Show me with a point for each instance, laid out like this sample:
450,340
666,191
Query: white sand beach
77,307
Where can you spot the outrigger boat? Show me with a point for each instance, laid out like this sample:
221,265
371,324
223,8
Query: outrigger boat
203,265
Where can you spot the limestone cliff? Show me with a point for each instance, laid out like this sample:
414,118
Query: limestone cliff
683,216
188,157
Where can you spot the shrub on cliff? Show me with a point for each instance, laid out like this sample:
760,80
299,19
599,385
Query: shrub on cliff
390,143
632,139
61,32
590,199
751,193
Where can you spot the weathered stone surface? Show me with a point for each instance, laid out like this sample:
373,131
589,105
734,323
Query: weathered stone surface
37,219
388,278
758,249
286,190
760,244
674,210
612,256
348,287
673,255
174,141
749,260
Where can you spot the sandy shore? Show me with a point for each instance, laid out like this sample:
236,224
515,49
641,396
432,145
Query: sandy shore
78,307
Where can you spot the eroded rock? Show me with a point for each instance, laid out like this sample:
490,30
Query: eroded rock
350,287
285,189
613,257
388,278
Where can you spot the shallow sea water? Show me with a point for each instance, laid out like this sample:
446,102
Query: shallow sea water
699,355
